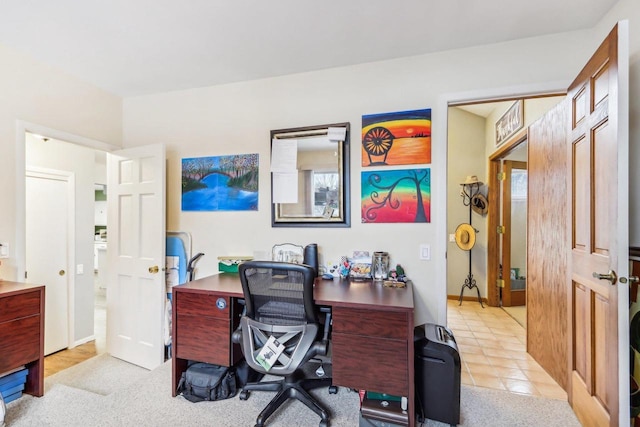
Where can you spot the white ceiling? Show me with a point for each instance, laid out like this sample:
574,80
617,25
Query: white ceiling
136,47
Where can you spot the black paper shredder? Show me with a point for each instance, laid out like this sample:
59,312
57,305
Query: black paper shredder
437,374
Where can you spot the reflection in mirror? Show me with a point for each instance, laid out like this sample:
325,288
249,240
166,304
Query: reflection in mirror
316,192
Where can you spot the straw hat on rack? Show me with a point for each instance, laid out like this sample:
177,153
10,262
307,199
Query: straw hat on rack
471,179
465,236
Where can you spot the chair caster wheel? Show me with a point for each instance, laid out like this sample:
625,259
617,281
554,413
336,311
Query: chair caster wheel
324,423
244,395
333,389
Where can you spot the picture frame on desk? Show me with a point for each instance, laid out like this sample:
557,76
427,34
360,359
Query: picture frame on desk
360,271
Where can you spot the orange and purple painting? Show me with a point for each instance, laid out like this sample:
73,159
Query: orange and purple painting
401,138
396,196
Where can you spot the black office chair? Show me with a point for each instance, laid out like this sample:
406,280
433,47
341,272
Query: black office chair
279,303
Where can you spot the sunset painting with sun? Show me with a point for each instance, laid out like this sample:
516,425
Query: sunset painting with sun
401,138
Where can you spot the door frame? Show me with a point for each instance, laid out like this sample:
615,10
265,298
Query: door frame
69,179
22,127
493,215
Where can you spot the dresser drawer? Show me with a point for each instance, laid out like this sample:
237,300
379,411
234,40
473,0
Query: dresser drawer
19,342
198,304
386,324
370,363
206,339
21,305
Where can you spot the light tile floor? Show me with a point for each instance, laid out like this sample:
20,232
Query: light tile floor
493,354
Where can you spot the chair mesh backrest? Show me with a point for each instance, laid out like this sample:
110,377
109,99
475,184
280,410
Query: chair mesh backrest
278,293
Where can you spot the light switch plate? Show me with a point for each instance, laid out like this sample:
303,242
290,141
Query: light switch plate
4,250
425,251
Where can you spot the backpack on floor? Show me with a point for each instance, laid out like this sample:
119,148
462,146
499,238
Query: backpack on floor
207,382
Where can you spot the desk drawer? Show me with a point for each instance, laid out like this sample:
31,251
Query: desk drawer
19,342
17,306
387,324
207,339
370,363
199,304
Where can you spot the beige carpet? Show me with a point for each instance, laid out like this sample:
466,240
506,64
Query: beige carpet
101,374
147,401
519,313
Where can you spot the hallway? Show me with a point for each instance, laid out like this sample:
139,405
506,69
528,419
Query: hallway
493,353
66,358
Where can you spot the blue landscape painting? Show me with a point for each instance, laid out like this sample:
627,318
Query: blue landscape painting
221,183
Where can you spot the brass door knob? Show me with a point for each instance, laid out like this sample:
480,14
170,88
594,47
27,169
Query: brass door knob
61,272
631,279
610,276
154,269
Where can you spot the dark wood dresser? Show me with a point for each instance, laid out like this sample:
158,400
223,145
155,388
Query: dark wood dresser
22,332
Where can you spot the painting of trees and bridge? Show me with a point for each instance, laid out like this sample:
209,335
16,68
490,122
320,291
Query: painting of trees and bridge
220,183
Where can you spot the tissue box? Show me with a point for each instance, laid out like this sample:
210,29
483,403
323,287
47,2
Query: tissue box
229,264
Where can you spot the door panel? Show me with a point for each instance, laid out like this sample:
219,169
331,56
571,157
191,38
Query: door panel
582,333
136,292
547,248
47,224
597,220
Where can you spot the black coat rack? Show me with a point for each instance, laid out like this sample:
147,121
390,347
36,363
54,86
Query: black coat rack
469,191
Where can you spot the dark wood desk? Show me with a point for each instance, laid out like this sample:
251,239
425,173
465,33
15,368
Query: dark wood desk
372,334
22,332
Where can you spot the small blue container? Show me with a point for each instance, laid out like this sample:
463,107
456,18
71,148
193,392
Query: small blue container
11,385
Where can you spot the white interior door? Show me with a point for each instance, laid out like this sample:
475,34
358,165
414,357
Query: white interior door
135,289
47,228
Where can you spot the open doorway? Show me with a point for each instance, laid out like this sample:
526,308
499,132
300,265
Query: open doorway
492,344
471,145
511,227
81,309
132,173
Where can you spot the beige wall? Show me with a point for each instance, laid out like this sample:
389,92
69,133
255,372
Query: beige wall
465,157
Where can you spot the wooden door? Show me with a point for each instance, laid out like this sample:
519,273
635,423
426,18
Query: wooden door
597,148
136,292
547,249
48,204
514,237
